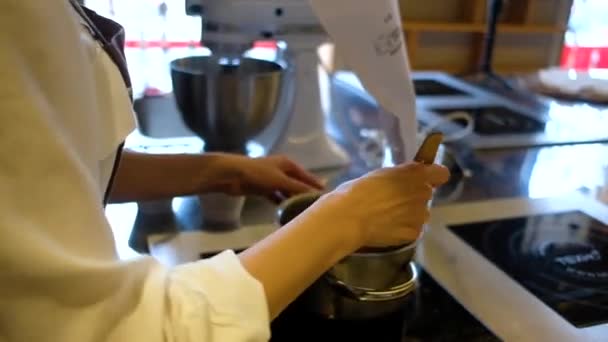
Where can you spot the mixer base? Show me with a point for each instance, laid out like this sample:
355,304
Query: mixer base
305,138
316,153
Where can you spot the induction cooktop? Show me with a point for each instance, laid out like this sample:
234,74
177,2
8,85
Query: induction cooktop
495,120
528,269
430,87
561,258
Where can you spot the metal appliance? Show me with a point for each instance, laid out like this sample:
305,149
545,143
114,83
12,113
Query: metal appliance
229,29
225,102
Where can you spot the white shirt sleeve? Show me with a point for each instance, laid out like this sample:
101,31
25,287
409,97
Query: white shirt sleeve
61,277
231,307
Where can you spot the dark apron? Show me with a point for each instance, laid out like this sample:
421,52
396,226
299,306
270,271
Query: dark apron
111,36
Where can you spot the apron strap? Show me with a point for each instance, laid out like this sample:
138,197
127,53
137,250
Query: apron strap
111,37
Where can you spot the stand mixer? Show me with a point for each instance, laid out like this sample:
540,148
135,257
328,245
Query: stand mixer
226,102
228,99
229,29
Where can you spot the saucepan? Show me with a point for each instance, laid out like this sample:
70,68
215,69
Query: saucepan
370,283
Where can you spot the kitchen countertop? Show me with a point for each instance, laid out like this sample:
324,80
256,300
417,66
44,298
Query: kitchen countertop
431,314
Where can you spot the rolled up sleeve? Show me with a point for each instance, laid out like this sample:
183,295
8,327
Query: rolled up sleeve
215,300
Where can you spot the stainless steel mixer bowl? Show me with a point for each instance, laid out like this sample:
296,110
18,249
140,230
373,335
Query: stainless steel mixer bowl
226,104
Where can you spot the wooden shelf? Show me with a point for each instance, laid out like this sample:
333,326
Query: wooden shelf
449,35
478,28
466,22
514,28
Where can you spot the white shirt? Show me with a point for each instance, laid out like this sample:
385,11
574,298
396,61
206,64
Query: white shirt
63,112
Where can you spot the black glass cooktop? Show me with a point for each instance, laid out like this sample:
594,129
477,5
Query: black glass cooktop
494,120
427,87
560,258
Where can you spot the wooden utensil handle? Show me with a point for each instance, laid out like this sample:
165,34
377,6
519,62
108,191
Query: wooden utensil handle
428,150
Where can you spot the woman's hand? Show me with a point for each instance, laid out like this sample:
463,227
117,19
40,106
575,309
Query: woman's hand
274,177
386,207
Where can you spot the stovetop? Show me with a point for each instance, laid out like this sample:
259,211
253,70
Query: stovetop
561,258
422,318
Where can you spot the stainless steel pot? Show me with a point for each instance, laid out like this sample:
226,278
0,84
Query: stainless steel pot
369,283
374,268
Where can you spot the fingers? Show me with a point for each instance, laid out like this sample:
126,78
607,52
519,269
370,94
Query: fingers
293,186
415,217
282,187
433,174
424,192
407,234
411,230
437,174
294,170
278,178
424,217
396,236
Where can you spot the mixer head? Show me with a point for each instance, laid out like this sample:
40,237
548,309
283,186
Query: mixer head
226,102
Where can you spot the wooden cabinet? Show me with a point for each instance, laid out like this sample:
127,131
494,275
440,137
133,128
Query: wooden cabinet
448,35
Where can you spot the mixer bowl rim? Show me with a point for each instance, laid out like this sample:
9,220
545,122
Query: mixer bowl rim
277,67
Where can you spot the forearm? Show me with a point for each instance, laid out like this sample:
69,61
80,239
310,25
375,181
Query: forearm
142,176
291,259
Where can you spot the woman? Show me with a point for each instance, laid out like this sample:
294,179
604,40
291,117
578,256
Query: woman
64,114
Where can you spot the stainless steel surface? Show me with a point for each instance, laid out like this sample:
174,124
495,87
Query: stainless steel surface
406,284
374,271
332,300
158,118
226,102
